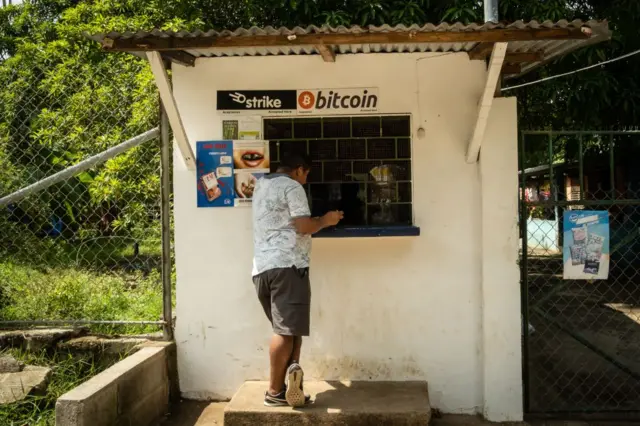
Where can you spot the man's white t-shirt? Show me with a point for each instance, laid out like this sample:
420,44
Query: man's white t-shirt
277,200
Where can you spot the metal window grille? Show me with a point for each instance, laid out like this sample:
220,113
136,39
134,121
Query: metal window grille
344,151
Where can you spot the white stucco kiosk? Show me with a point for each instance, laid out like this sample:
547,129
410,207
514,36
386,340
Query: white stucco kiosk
439,302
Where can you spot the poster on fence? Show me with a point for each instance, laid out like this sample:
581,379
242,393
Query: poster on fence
215,182
586,245
251,162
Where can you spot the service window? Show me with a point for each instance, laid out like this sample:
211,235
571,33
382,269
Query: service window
361,165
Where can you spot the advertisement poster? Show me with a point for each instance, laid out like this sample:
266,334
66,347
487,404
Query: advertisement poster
586,245
251,162
250,128
230,129
214,161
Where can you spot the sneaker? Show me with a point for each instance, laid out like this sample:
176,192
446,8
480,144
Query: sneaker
294,393
278,400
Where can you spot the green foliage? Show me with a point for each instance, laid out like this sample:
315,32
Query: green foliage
62,100
57,293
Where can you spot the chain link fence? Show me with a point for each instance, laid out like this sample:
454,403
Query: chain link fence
582,338
89,246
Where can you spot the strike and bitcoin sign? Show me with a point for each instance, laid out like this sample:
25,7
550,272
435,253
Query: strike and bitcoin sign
302,102
337,101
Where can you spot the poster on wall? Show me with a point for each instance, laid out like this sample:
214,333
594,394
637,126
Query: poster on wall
230,129
586,245
251,162
215,166
246,128
250,127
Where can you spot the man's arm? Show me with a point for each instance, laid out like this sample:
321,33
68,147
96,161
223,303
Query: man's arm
299,211
311,225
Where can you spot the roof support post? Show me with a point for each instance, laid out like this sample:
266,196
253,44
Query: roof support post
484,108
168,101
327,52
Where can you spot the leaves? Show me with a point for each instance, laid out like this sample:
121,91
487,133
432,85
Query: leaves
335,18
466,11
407,13
371,12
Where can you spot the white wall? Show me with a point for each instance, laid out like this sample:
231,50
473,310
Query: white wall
382,309
501,325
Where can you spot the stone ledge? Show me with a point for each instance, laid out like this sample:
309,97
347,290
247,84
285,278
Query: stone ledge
106,346
38,339
135,388
17,385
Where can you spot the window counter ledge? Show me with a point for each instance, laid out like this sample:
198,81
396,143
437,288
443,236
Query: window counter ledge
369,231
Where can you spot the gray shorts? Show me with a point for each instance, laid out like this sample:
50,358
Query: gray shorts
285,295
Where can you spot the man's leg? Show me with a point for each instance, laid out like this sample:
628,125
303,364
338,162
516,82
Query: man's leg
299,318
297,347
290,294
280,348
280,352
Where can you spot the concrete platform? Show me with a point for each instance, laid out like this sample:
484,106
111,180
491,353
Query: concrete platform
336,403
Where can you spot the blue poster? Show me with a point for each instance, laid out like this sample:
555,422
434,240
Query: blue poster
214,161
586,245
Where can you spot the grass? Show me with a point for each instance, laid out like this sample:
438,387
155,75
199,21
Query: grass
68,293
68,371
102,279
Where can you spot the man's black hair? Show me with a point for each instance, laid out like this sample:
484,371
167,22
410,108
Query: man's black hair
291,162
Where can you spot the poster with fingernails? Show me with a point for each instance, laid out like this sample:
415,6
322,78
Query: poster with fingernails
251,162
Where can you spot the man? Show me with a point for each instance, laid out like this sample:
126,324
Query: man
282,229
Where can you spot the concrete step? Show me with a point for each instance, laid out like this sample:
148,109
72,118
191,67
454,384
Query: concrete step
335,403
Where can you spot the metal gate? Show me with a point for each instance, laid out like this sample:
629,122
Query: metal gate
581,343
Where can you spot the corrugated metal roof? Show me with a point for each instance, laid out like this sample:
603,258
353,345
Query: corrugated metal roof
312,29
547,49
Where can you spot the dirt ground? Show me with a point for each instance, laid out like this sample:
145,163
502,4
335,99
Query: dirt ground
192,413
583,356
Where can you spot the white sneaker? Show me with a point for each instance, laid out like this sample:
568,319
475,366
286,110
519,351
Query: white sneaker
295,394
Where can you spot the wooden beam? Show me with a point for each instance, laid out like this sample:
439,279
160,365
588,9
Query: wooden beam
154,43
511,68
523,57
327,52
486,101
481,51
168,101
180,57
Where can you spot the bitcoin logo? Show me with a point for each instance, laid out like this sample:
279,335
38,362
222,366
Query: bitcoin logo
306,100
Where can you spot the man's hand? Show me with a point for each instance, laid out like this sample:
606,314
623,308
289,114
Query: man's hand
332,218
308,225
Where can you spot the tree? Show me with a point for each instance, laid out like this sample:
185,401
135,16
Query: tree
62,98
